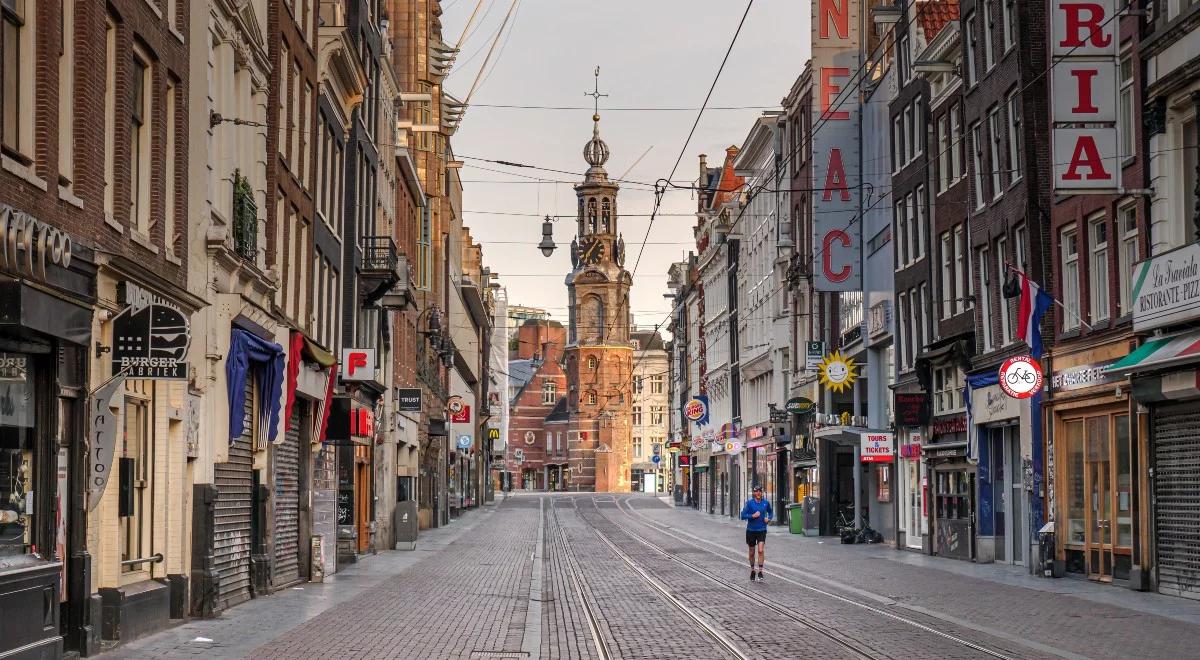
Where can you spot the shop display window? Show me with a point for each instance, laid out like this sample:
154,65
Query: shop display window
1075,489
883,481
953,496
17,468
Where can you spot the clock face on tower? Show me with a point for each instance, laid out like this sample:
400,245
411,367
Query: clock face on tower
592,250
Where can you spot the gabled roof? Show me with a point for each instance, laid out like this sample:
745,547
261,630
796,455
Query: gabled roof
935,14
559,412
520,372
647,340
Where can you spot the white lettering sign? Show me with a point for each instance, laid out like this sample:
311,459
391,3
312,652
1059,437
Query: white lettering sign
1166,288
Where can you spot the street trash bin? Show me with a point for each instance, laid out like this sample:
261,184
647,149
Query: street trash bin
1046,549
795,514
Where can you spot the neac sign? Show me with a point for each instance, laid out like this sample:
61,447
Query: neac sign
837,234
28,244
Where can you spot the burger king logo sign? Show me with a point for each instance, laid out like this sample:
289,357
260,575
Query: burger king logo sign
696,410
1021,377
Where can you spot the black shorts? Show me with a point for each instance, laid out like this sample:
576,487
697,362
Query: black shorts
754,538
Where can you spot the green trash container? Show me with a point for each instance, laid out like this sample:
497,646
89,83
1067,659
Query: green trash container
795,518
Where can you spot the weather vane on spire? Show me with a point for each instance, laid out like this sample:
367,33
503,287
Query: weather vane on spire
596,95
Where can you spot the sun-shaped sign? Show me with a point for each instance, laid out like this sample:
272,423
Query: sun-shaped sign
836,372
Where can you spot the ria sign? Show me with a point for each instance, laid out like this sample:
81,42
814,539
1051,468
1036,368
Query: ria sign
837,233
358,364
1084,96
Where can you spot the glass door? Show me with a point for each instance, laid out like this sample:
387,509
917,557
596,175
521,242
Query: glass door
1016,503
1099,542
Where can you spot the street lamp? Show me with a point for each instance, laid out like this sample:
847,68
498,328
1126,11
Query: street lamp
547,245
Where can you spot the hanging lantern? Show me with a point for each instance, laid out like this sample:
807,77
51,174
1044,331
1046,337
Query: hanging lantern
547,245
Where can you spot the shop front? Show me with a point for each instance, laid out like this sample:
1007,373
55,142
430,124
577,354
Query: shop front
1099,495
911,410
141,569
877,454
351,429
953,478
1166,381
839,481
46,299
1001,426
763,464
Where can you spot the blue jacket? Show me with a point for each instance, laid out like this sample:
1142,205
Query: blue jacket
758,524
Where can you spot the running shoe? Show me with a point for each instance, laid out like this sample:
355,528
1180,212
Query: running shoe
752,573
760,577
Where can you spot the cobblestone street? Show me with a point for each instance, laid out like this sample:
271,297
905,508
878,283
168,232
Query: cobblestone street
630,577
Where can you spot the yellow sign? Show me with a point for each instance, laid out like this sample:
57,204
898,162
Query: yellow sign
837,373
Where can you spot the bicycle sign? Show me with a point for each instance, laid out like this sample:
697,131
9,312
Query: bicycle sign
1021,377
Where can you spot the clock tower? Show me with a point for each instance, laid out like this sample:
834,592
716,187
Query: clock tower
599,355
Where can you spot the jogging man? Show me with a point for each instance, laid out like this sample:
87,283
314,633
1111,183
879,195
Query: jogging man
757,513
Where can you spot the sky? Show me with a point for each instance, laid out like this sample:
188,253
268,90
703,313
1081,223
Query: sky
651,54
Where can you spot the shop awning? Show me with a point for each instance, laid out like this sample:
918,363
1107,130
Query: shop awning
1160,352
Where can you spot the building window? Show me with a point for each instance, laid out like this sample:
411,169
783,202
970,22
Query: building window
988,24
1006,329
962,271
637,416
956,143
1019,242
969,48
900,209
558,441
169,172
424,251
994,127
925,316
592,363
977,164
549,442
656,415
1010,27
903,329
945,174
897,142
917,208
110,114
1098,268
903,56
947,276
656,384
918,129
947,390
17,44
1069,250
985,297
909,148
591,398
1128,256
139,145
66,91
637,447
549,392
1125,128
1014,138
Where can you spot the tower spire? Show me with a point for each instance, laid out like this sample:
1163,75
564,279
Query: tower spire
595,152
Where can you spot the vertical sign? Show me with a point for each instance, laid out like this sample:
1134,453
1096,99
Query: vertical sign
1084,88
837,232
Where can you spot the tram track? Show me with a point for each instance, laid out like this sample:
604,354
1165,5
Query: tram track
630,512
575,578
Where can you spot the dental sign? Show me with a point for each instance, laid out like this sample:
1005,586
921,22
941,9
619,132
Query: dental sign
837,233
1084,96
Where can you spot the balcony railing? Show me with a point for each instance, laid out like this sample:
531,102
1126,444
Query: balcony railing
245,218
379,254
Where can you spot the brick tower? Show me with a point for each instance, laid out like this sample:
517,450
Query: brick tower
599,355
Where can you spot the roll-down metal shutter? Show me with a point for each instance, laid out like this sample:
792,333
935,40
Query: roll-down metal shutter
287,505
1177,498
235,501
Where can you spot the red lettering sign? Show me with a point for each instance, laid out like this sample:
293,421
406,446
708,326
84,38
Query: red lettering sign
1083,103
830,90
1084,21
836,14
827,256
358,360
835,177
1086,155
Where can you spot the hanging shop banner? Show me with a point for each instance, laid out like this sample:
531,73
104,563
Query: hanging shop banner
358,364
408,399
150,336
876,447
814,352
696,410
1166,288
799,405
1084,96
837,373
911,408
837,231
102,445
462,415
1021,377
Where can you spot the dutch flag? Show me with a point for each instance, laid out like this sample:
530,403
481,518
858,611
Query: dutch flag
1032,306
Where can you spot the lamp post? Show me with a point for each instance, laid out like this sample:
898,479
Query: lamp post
547,245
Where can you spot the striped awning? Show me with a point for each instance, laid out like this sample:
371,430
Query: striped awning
1160,352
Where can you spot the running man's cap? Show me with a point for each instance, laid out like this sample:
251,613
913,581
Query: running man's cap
758,489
